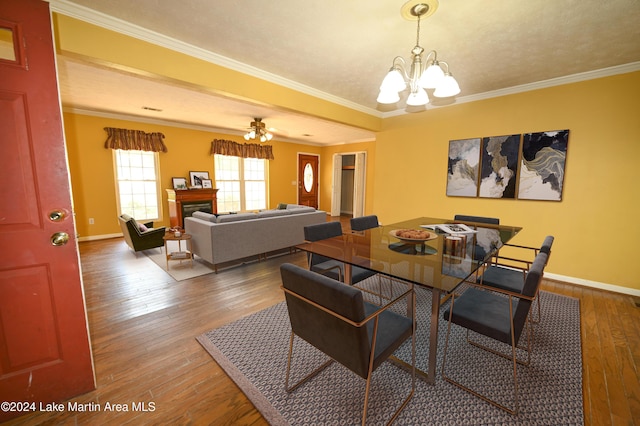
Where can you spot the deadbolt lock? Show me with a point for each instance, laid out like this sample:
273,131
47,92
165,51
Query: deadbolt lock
56,216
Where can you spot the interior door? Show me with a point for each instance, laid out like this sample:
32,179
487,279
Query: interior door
308,180
45,353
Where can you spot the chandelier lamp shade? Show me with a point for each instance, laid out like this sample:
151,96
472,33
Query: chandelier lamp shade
258,130
424,72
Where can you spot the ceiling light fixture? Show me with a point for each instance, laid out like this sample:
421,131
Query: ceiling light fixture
258,131
433,74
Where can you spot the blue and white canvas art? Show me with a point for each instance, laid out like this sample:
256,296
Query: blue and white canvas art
463,167
499,166
543,163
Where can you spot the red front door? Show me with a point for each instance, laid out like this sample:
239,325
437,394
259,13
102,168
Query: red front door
308,180
45,354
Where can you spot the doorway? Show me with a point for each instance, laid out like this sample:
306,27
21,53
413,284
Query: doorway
349,170
308,183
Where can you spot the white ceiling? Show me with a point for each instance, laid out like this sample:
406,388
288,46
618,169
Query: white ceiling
341,49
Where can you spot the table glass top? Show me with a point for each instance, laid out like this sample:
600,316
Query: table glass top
440,262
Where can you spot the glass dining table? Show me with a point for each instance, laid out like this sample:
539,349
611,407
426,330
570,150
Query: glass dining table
440,263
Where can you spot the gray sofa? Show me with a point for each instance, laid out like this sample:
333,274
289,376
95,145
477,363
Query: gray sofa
228,237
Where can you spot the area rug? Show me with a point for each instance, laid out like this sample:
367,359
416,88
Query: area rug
253,352
179,270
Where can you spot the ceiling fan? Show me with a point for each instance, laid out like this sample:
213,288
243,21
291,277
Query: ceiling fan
258,130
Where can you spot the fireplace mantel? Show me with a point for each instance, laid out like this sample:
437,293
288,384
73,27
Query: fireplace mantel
181,199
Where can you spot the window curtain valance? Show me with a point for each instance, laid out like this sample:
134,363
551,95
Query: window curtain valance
134,140
247,150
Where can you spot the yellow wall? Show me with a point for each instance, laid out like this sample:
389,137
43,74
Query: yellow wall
595,224
92,174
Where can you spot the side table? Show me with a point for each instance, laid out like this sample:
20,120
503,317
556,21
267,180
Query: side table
180,254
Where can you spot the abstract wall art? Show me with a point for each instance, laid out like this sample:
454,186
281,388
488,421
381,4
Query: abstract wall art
463,167
543,164
499,166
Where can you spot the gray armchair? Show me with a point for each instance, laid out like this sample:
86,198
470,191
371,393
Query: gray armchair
499,315
140,237
336,320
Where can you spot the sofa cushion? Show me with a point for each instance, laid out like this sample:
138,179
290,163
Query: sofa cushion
294,206
205,216
302,209
272,213
236,217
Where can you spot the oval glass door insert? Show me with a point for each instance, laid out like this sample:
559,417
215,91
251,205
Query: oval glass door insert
308,177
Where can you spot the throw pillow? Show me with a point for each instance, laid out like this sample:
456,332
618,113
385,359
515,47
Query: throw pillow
142,227
282,206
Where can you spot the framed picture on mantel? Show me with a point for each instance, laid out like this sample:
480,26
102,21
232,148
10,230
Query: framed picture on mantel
206,183
197,177
179,183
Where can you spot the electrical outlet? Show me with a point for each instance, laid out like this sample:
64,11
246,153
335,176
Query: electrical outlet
91,221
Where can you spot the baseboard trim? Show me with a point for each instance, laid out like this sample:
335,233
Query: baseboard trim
593,284
99,237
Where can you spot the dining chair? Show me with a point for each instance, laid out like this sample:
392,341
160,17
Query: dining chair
479,219
499,315
509,273
324,265
363,223
336,320
479,252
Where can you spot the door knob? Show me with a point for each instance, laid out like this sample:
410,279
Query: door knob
59,238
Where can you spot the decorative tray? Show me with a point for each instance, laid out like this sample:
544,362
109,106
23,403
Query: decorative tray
413,235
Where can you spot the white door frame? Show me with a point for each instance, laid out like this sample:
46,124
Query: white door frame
359,186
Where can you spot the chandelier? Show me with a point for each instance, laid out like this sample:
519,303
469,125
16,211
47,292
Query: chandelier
258,130
430,74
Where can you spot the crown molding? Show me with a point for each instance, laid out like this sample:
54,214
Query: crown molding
93,17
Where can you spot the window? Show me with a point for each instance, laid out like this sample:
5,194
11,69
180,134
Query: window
137,184
241,183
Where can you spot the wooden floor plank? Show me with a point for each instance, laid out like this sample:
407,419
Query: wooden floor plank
143,326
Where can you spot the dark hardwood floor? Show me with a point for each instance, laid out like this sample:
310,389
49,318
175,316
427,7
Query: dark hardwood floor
143,326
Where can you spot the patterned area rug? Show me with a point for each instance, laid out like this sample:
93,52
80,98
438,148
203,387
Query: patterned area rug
253,351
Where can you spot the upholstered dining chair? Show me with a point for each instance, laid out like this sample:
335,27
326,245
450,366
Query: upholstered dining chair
509,273
363,223
336,320
331,267
479,252
479,219
500,315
